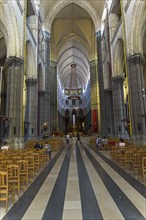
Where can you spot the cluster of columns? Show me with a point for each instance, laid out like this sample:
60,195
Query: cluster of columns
14,94
114,121
31,107
137,97
37,112
118,107
29,113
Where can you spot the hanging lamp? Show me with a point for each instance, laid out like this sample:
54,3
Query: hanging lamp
73,90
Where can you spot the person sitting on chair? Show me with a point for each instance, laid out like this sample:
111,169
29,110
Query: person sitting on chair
121,143
5,146
37,146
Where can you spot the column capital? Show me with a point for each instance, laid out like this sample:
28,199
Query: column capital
93,63
13,61
31,82
118,78
135,59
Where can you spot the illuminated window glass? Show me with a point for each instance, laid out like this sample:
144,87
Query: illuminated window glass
67,102
73,102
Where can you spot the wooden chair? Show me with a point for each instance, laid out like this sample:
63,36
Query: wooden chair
45,156
14,176
137,164
5,163
31,172
36,162
113,153
23,165
128,160
121,157
16,158
41,158
6,191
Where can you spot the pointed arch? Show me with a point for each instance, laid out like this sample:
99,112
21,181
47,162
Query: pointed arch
59,5
137,26
9,25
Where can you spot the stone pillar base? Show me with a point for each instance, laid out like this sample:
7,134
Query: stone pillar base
139,139
16,143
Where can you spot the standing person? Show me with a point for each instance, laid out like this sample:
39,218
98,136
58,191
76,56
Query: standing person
98,143
67,138
48,147
78,138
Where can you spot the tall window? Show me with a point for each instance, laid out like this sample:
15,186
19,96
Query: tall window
73,102
80,101
67,102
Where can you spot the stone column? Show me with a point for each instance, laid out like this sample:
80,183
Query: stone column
1,79
47,78
14,97
94,96
41,109
31,106
101,86
136,97
3,123
118,106
53,97
109,112
60,122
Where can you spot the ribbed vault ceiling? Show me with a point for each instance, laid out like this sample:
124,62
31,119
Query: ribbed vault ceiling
73,27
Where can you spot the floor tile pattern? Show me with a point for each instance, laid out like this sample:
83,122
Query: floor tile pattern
79,184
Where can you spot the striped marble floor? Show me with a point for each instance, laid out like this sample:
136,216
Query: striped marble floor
79,184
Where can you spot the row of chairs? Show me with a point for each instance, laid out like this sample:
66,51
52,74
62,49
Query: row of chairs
54,142
18,168
132,159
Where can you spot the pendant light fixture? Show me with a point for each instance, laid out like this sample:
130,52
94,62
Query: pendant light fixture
73,90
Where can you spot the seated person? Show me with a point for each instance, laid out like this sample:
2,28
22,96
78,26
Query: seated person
37,145
5,146
104,141
121,143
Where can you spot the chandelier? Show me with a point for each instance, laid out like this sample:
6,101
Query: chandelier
73,91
